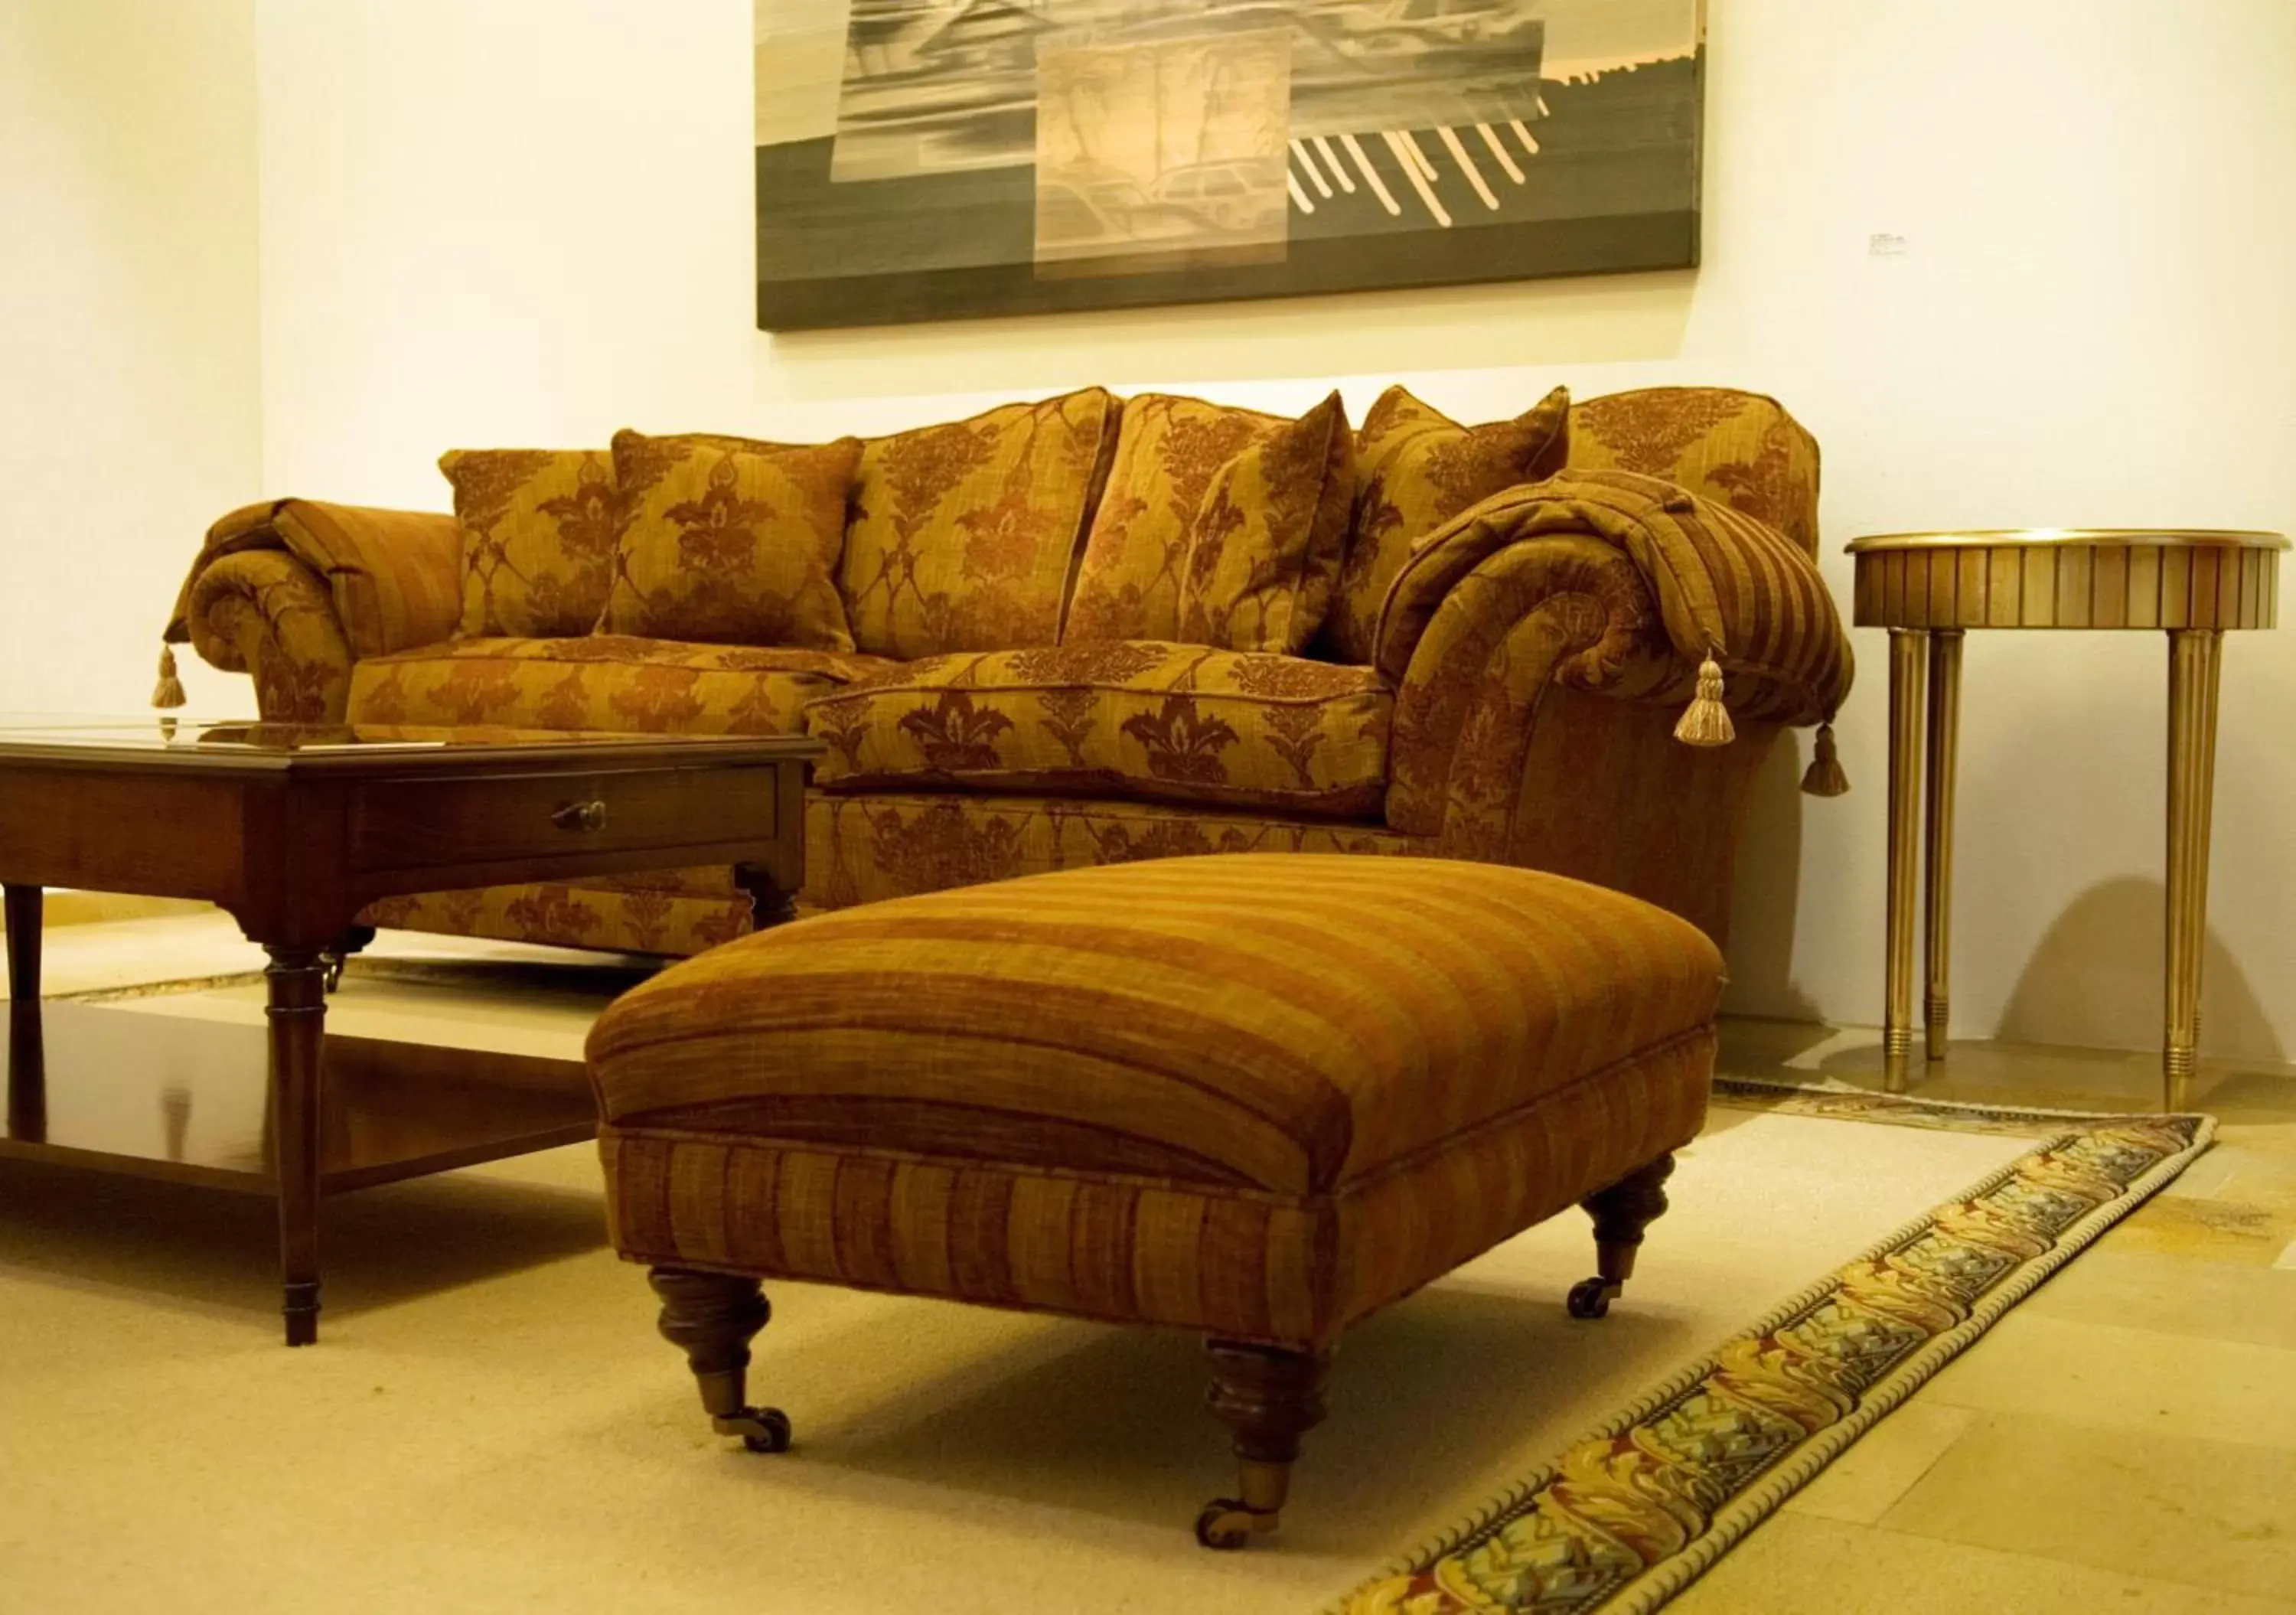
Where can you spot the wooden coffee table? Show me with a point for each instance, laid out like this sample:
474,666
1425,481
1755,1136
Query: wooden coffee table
294,830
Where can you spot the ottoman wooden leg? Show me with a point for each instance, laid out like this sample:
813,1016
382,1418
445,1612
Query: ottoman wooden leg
1269,1398
712,1317
1620,1213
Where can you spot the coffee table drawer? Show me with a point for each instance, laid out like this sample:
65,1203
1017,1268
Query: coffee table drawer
435,823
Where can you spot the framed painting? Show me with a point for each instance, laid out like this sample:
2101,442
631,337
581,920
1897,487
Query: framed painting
923,160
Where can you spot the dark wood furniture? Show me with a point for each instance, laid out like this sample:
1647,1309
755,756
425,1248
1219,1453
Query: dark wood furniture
294,830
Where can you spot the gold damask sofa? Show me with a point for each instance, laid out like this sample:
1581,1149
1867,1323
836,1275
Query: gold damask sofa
1089,630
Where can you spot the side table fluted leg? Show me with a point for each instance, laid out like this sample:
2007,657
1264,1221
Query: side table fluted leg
1944,733
2194,661
1907,649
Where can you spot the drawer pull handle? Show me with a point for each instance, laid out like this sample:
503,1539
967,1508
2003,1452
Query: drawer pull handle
580,816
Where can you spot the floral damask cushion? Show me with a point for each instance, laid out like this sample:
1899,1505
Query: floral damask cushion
1416,469
1264,551
600,683
723,546
866,847
964,535
1167,451
1128,719
539,527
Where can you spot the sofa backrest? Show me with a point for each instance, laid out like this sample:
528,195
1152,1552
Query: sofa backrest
1741,449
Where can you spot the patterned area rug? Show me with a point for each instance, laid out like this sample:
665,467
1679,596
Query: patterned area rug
1651,1498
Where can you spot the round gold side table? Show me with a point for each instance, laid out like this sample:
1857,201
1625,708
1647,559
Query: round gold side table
1928,589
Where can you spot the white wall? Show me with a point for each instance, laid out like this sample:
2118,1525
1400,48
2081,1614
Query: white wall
130,392
528,221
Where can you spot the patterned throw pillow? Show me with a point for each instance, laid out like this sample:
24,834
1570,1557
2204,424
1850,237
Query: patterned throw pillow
1416,469
964,535
1264,551
729,545
1741,449
539,527
1166,453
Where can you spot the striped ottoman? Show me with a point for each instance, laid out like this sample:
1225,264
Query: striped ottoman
1257,1096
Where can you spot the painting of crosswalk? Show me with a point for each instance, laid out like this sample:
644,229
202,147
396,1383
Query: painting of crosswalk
939,159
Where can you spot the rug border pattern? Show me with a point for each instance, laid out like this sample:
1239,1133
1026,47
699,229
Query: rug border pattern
1740,1511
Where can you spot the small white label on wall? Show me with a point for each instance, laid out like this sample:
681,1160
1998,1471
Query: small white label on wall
1881,243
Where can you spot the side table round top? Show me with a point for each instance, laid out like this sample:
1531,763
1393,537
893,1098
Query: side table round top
2069,577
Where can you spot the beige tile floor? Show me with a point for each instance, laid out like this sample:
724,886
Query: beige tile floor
2125,1440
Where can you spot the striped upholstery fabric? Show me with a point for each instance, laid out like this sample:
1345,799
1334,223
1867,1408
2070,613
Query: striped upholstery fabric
1257,1094
1723,583
394,574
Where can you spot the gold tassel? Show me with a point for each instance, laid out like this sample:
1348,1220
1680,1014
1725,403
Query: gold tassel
169,690
1823,776
1706,721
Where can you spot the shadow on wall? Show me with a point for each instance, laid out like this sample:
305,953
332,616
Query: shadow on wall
1766,894
2095,980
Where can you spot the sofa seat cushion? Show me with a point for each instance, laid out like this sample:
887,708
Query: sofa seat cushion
603,683
1131,720
1284,1024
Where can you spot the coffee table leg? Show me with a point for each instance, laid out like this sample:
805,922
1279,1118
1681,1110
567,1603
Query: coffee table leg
24,904
770,905
2193,660
297,978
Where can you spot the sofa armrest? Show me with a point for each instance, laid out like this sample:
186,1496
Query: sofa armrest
264,613
1720,586
393,578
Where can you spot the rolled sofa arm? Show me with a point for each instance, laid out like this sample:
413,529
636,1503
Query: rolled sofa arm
1610,585
389,580
1722,587
265,613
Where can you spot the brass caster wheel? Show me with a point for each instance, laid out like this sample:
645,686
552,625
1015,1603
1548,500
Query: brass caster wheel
762,1429
1591,1298
1226,1525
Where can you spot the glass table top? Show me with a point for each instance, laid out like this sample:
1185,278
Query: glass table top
252,738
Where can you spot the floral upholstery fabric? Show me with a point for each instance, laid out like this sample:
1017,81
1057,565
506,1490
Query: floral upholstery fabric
963,536
1256,1095
861,850
730,545
1738,449
675,912
601,683
865,848
1264,551
539,527
1537,651
1180,722
264,613
1562,609
1167,451
1416,469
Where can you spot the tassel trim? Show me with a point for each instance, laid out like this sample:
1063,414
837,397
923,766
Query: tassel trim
1823,776
169,690
1706,721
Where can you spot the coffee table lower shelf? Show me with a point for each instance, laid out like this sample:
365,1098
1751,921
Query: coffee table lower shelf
154,1095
